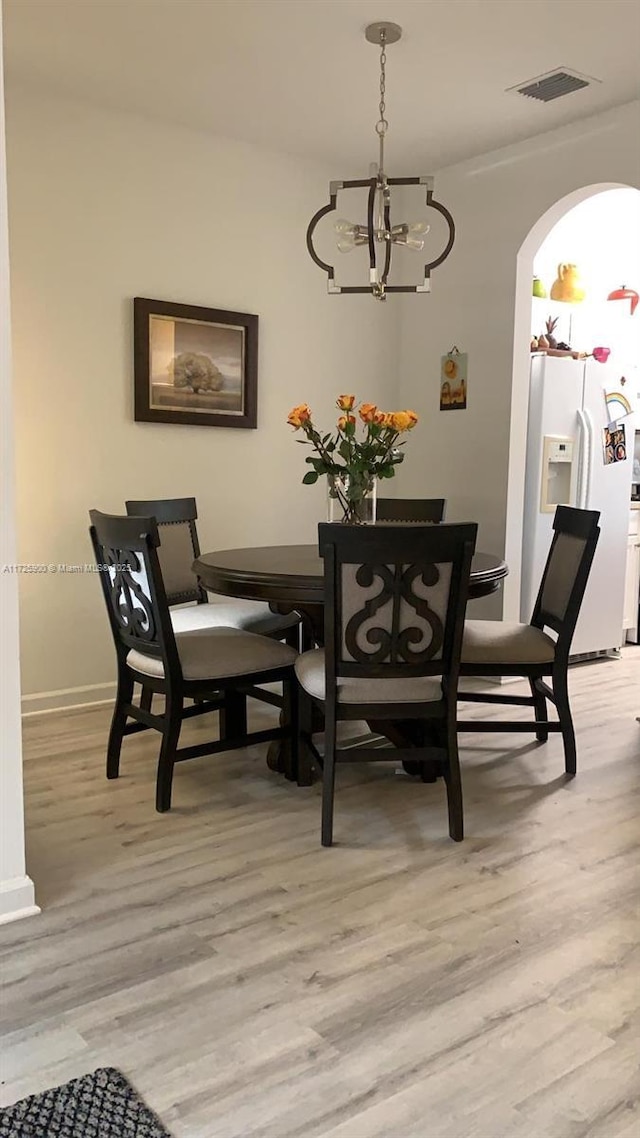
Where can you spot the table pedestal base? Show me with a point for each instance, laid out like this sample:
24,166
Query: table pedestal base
411,733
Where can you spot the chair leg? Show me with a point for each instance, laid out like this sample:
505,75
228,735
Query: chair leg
561,696
233,715
292,637
304,732
290,719
146,699
454,786
540,710
118,723
307,641
328,780
166,761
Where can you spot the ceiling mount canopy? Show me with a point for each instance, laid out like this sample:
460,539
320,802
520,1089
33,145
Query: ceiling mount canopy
378,233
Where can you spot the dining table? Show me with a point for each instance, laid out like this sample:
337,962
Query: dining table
291,579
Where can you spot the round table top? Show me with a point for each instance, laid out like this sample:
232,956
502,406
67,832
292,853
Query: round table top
295,573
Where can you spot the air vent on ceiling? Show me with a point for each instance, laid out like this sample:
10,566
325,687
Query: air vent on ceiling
555,85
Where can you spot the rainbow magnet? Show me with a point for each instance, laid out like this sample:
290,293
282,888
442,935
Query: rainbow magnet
615,400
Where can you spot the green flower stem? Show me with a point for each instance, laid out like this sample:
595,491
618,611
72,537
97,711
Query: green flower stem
344,455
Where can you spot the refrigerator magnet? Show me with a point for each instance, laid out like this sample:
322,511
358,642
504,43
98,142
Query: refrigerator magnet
614,444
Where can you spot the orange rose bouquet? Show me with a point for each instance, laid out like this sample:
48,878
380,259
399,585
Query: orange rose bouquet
353,464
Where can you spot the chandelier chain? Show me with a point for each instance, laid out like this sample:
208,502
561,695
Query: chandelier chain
382,124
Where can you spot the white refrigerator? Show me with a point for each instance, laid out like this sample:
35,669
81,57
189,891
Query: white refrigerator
566,464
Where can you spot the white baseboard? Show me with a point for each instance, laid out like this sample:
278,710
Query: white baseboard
17,899
66,698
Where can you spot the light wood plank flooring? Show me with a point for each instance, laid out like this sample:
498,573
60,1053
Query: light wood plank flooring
254,985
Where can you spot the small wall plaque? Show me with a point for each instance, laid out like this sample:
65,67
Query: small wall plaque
453,381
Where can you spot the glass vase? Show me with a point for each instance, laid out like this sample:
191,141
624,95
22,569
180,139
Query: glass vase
351,499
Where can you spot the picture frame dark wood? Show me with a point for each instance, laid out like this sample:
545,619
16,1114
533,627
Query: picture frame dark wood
194,365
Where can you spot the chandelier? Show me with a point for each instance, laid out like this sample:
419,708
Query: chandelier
379,234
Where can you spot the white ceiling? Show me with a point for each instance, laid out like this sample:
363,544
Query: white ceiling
298,75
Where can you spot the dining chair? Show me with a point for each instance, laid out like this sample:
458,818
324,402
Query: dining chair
395,601
505,648
176,519
214,666
411,509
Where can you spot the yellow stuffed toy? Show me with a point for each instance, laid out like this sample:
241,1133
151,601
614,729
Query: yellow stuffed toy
567,285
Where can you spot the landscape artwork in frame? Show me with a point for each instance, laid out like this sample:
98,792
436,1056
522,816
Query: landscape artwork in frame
194,365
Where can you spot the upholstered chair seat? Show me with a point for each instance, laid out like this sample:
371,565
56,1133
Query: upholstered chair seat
310,671
503,641
210,653
250,616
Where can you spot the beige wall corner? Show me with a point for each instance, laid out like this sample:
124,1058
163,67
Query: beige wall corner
16,889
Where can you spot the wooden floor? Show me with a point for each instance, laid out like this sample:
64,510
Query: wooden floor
253,985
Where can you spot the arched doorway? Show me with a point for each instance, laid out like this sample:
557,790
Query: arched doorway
520,382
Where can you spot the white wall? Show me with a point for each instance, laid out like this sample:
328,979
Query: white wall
602,237
16,889
495,199
105,207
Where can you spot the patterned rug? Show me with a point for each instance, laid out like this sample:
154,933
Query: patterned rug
100,1105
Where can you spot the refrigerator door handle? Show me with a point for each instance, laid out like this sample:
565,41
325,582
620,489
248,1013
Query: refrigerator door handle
584,461
590,438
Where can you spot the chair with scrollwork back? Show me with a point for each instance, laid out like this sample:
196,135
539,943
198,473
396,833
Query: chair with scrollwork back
411,509
215,667
395,599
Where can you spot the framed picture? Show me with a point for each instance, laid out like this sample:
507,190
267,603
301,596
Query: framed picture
194,365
